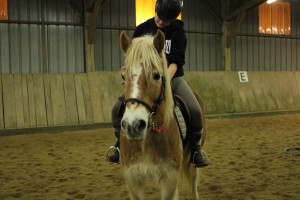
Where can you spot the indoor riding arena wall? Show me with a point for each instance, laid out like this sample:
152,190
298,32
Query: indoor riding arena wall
47,100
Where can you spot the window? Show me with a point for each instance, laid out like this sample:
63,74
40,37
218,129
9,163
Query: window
275,18
3,10
144,10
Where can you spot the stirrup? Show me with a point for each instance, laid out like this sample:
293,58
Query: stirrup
110,148
206,157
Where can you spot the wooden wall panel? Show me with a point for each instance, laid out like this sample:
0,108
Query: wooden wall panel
92,98
48,101
108,98
36,100
85,115
70,98
1,106
95,85
25,101
39,99
82,117
58,100
9,102
87,98
19,101
298,53
31,101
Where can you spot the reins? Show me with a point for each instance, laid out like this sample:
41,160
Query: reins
154,109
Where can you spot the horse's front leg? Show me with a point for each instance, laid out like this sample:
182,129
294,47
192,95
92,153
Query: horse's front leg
135,184
193,181
168,186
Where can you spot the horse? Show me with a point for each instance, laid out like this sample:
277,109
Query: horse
150,141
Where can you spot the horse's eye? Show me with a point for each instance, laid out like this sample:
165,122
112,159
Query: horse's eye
156,76
123,77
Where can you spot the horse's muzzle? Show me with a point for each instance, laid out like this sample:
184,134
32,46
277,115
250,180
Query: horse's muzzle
134,130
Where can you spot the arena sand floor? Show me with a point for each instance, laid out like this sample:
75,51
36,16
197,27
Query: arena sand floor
246,155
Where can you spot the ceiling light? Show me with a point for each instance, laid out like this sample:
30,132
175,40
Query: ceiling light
271,1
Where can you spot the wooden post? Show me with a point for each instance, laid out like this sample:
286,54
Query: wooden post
92,10
44,45
89,47
226,51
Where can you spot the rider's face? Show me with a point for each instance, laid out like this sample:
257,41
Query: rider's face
160,23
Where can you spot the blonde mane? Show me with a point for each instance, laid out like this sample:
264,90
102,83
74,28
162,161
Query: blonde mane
142,53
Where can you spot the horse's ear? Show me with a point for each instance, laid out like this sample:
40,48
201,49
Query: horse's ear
125,41
159,41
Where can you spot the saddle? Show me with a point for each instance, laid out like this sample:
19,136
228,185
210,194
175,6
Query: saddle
183,118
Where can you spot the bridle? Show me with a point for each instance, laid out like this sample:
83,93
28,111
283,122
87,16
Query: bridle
154,109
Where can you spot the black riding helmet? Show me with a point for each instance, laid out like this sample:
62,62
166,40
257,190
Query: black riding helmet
168,10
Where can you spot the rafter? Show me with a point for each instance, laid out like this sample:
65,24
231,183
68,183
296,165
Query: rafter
89,4
92,19
246,6
75,9
212,11
234,29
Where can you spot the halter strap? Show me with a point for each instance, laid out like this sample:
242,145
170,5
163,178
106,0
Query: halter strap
132,100
153,110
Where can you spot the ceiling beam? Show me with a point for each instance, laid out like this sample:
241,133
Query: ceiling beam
244,7
89,4
92,20
212,11
234,28
75,9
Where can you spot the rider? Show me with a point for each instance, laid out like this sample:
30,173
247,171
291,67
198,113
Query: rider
166,12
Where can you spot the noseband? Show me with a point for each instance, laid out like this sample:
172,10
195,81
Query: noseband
153,110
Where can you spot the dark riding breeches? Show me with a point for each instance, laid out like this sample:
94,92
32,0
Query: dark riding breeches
182,89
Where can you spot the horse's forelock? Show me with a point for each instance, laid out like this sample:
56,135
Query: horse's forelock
142,53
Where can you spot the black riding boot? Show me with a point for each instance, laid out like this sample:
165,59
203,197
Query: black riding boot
196,157
115,157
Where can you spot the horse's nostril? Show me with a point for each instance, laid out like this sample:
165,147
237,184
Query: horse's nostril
141,125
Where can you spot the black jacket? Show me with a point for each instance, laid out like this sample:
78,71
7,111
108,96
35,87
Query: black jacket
175,41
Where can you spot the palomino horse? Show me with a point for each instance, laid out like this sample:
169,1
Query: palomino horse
150,141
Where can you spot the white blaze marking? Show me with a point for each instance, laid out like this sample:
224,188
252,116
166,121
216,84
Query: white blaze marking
134,113
141,112
135,87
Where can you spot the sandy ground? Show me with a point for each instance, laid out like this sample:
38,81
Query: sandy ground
246,155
